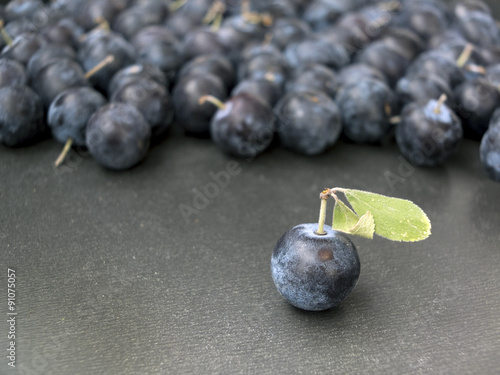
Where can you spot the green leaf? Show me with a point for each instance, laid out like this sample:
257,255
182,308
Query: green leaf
343,217
395,219
365,226
345,220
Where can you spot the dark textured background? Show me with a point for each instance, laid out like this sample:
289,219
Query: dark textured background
112,280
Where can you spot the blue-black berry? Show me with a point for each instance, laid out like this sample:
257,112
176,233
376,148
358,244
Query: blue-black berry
314,272
490,148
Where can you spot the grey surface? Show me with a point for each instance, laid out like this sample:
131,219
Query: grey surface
112,280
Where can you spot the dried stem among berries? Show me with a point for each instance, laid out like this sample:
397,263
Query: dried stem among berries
442,99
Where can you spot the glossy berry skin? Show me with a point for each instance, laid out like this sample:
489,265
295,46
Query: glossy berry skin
236,33
12,73
352,39
152,100
357,72
16,28
158,46
134,72
91,11
490,148
70,111
64,32
131,20
427,138
309,122
490,55
193,116
96,47
24,47
433,63
202,42
265,66
316,50
46,56
364,106
57,77
72,8
383,56
181,23
322,13
405,41
22,8
118,136
420,88
476,101
258,48
287,30
21,116
477,26
244,127
263,89
314,272
217,65
314,77
423,17
493,74
451,47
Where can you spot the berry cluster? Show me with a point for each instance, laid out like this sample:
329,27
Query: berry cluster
113,76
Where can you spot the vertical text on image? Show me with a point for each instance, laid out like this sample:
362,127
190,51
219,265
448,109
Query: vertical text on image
11,316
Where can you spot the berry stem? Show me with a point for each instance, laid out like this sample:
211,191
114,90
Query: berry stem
322,216
266,19
245,7
394,120
102,23
388,109
269,76
465,55
212,99
5,35
440,104
106,61
64,152
389,6
478,69
267,39
325,194
214,14
176,5
217,22
253,17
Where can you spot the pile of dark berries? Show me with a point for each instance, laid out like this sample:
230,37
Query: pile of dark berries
113,76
